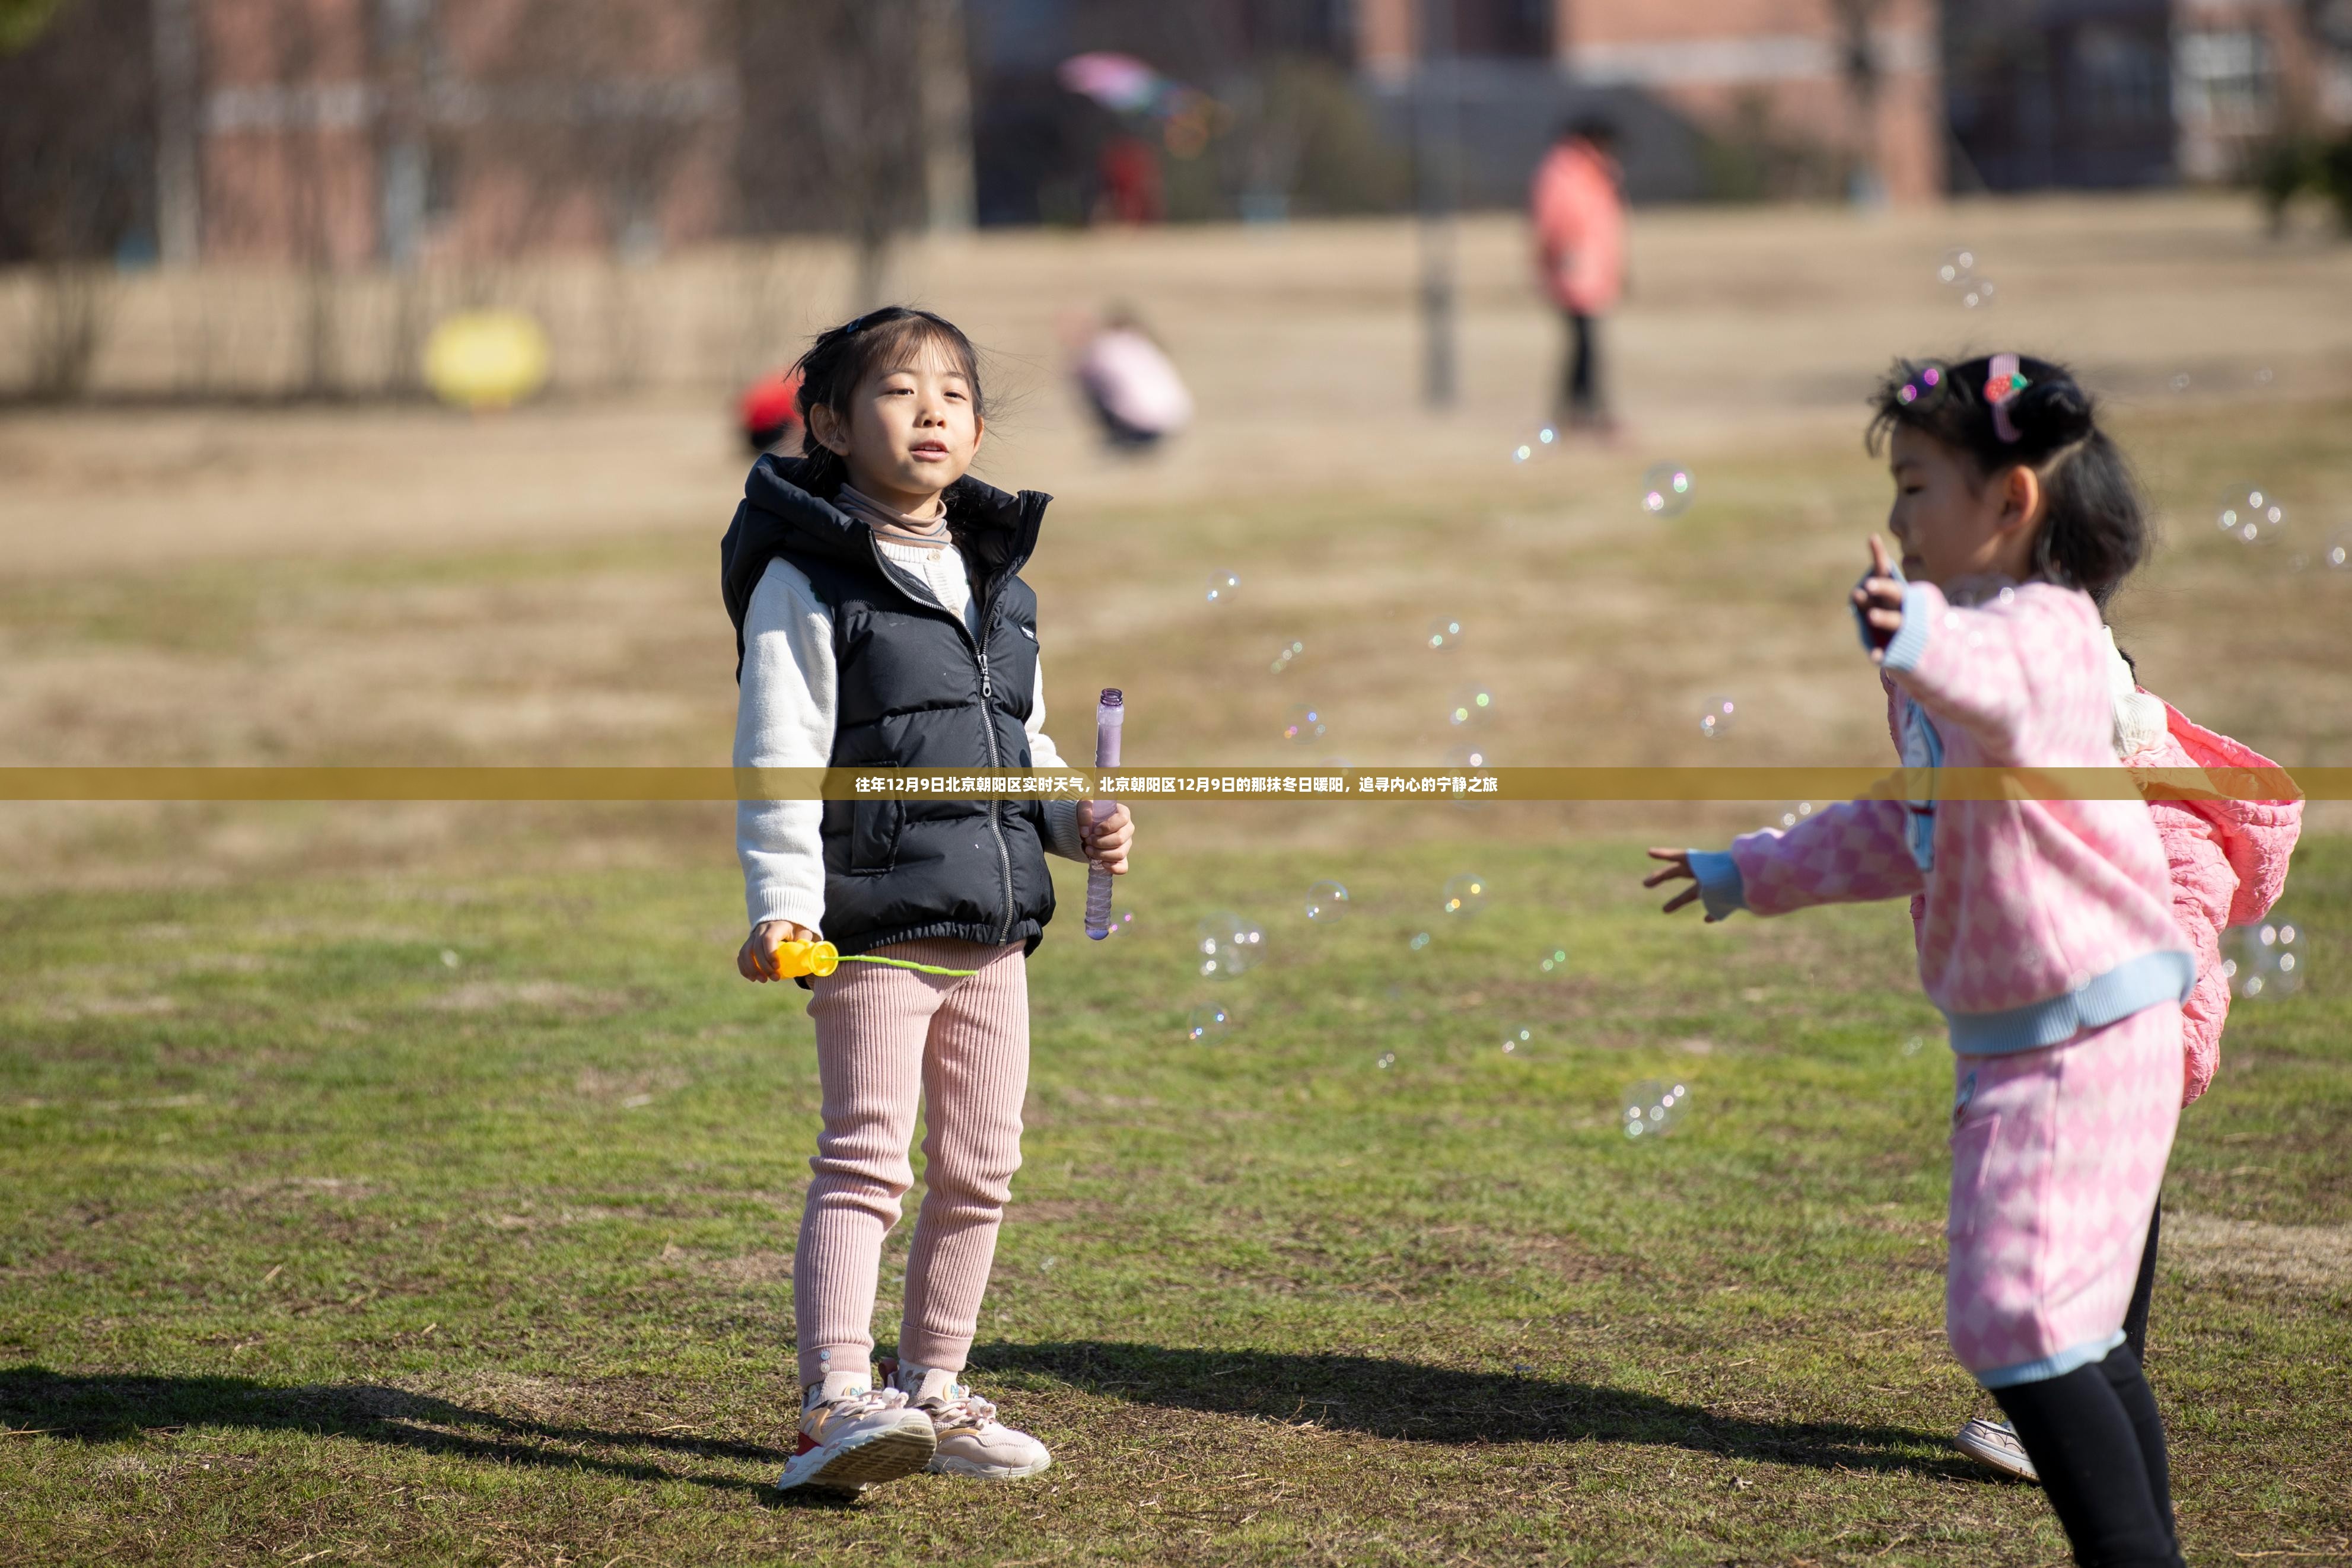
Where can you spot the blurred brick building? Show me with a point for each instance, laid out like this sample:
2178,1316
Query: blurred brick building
1767,93
342,131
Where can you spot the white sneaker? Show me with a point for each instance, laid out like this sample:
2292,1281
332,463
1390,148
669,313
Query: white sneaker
969,1440
1994,1445
853,1436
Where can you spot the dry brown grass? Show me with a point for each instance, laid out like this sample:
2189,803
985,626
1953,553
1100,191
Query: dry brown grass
396,584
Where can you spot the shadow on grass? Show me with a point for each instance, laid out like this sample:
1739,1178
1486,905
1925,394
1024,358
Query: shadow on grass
1422,1404
106,1408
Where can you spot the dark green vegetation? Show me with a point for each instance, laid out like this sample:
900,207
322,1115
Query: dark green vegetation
434,1221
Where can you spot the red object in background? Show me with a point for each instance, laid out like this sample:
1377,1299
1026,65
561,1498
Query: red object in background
771,409
1129,170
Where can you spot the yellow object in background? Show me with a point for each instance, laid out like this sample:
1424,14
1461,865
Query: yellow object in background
485,359
794,960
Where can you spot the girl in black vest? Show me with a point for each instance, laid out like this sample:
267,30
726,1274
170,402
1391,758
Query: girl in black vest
882,622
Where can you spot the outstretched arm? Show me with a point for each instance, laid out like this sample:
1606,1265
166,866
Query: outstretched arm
1852,852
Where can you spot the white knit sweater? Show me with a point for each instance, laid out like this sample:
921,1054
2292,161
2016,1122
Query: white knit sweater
784,717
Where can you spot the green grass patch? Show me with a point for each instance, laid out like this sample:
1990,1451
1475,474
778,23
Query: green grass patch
400,1221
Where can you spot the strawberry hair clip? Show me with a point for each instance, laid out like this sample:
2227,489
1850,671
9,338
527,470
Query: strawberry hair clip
2004,383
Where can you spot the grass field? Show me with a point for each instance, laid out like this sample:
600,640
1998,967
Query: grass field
418,1185
415,1222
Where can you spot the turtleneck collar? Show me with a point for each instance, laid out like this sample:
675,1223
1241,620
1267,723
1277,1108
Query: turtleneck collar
888,522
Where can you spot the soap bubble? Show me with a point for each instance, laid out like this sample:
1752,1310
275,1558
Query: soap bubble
1228,946
450,959
2338,554
1976,293
1471,758
1305,724
1522,452
1125,919
2263,377
1795,814
1419,940
2250,514
1387,1060
1960,264
1717,716
1517,1039
1552,961
1466,894
2180,381
1445,635
2264,961
1667,490
1652,1109
1283,656
1210,1021
1327,902
1470,704
1222,587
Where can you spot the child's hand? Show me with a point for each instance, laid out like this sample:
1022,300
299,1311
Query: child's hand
757,961
1878,599
1677,868
1107,842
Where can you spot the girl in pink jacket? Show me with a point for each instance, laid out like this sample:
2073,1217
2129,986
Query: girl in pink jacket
2044,928
2226,862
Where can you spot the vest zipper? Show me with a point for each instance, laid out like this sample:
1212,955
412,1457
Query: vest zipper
987,717
995,808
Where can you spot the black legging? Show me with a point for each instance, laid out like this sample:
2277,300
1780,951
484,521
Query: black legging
2136,1315
2097,1441
1580,399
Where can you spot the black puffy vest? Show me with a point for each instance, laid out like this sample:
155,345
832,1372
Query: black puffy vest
915,689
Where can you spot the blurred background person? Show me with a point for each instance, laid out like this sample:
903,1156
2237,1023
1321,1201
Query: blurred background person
1579,210
1128,381
770,411
1127,183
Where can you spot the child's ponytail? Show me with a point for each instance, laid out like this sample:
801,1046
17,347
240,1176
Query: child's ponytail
2095,527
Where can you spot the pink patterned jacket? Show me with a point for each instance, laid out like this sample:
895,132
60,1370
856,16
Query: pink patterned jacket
2041,919
2228,861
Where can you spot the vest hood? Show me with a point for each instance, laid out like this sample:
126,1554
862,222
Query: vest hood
995,532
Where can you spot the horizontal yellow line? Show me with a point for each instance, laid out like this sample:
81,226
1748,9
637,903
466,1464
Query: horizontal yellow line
1325,784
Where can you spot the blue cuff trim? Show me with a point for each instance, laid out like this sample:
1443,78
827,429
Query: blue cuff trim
2131,986
2051,1366
1910,645
1720,887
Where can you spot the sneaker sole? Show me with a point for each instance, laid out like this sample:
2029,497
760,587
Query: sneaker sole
942,1466
1994,1459
886,1457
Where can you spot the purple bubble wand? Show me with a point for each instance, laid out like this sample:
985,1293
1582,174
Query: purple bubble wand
1110,714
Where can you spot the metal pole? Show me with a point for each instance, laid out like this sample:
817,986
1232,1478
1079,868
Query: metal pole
179,212
406,171
1437,137
946,97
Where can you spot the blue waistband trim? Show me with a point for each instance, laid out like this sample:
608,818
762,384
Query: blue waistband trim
2051,1366
2166,975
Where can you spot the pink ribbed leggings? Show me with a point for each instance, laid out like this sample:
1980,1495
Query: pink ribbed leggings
886,1039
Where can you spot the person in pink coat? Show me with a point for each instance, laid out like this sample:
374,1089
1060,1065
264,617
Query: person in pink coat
1579,224
2226,862
2044,928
